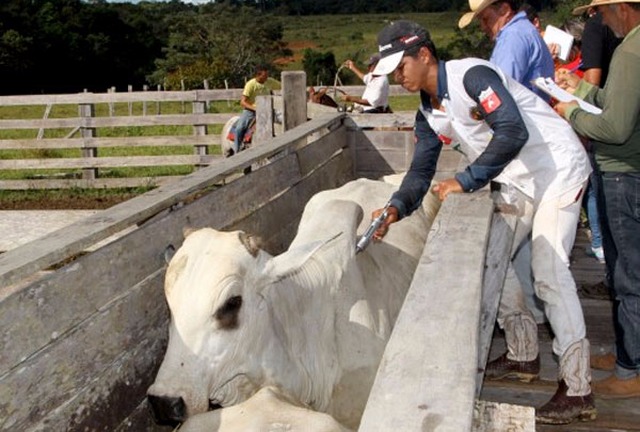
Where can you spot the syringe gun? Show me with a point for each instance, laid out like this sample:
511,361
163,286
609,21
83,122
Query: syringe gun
368,234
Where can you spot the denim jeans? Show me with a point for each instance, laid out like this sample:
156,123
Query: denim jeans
242,125
592,212
620,222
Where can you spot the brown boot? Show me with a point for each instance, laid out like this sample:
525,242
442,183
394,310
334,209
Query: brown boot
615,388
503,367
605,362
563,409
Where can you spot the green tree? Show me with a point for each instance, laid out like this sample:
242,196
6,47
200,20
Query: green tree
217,43
320,67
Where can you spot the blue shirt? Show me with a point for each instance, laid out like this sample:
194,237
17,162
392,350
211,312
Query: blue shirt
521,53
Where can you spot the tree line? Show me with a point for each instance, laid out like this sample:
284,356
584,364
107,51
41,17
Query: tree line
62,46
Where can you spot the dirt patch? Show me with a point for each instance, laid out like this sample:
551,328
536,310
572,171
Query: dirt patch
297,47
300,45
73,202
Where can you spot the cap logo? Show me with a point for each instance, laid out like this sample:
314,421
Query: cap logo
384,47
409,39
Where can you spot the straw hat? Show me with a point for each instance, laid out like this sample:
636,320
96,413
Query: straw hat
594,3
476,6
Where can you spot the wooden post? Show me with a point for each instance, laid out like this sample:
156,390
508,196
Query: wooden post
158,103
88,111
498,258
130,104
264,120
199,130
294,94
184,109
226,86
144,104
206,87
111,105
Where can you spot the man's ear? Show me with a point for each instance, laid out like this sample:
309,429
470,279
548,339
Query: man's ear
425,55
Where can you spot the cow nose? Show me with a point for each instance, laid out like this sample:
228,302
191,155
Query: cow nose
166,410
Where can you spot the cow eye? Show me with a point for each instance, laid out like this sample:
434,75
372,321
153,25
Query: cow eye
227,314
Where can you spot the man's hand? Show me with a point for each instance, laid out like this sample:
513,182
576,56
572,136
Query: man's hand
561,107
345,98
567,80
392,216
348,64
554,49
446,187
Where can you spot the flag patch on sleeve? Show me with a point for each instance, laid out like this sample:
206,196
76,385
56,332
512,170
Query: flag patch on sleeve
489,100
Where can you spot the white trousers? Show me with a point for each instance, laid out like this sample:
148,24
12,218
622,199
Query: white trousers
552,224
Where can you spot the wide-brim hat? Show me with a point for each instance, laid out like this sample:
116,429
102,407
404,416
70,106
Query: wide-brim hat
581,9
476,6
394,40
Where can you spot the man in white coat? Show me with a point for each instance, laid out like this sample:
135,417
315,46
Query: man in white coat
535,162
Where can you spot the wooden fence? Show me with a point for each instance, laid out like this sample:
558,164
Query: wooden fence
112,131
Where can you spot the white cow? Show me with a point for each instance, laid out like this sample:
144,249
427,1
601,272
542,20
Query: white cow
266,411
312,322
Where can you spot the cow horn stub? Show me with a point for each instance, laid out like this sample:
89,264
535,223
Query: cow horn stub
251,243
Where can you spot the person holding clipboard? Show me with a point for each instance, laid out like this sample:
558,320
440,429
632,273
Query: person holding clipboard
616,134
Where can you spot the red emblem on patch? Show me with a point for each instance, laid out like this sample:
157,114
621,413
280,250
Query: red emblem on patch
445,139
489,100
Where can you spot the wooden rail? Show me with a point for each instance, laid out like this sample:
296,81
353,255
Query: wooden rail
428,379
82,158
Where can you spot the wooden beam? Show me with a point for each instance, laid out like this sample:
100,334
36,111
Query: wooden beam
427,377
498,258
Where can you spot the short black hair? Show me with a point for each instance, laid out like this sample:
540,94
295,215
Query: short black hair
260,68
532,13
413,51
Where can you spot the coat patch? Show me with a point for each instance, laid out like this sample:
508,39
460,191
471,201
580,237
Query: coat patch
489,100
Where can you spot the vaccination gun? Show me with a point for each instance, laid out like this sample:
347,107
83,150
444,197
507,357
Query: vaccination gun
368,234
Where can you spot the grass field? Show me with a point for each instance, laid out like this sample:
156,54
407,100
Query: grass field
354,36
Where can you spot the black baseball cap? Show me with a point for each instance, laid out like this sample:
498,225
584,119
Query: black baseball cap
394,40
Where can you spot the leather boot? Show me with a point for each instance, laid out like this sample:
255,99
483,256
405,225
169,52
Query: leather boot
575,369
615,388
573,399
564,409
521,361
605,362
503,367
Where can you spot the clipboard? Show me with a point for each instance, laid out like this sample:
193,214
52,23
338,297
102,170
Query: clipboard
548,86
564,40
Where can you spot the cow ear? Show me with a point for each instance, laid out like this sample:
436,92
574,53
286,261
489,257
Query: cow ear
290,262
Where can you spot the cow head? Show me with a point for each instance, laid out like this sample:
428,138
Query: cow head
240,319
205,287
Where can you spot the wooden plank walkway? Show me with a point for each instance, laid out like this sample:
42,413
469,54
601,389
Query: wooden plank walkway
621,415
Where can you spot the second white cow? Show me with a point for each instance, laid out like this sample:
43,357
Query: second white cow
312,321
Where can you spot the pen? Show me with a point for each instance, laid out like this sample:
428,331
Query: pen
575,68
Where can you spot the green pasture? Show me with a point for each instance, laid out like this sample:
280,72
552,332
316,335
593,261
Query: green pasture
354,36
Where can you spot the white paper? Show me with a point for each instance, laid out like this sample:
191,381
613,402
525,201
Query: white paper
562,38
548,86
